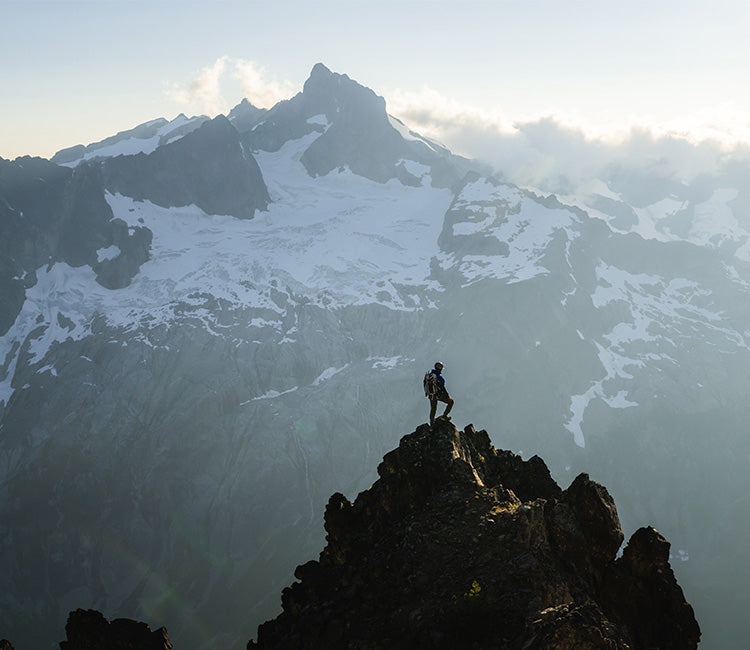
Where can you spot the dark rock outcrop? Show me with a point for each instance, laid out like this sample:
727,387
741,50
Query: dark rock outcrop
208,167
245,116
458,544
89,630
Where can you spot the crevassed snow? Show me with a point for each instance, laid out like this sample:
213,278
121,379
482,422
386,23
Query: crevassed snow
340,236
343,232
505,213
335,240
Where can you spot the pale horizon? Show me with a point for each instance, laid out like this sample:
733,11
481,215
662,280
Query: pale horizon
468,73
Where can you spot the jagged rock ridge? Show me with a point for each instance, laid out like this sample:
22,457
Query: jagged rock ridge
89,630
458,544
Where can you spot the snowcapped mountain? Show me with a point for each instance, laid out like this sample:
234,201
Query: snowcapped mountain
209,326
710,210
144,138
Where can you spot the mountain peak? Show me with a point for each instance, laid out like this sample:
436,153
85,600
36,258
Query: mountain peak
320,70
330,93
458,543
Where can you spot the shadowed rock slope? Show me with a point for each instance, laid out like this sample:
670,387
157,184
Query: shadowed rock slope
89,630
458,544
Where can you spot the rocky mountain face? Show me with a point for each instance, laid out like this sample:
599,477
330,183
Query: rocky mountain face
209,326
207,168
354,132
49,213
458,544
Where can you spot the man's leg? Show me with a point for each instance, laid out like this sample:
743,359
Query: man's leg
433,408
448,405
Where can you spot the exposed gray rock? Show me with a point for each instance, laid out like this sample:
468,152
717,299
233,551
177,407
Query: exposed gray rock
207,168
244,116
53,214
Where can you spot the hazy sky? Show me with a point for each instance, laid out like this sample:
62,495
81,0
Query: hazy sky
76,71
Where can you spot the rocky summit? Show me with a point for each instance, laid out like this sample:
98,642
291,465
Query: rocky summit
461,545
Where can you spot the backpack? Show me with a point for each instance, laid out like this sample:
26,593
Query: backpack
430,384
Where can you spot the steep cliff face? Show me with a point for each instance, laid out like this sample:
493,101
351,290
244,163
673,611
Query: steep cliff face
458,544
207,168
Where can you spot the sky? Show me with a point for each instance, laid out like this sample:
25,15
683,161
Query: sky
474,74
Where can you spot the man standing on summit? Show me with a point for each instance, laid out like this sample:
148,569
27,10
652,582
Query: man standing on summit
434,389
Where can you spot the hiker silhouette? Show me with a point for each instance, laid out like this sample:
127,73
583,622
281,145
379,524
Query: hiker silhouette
435,390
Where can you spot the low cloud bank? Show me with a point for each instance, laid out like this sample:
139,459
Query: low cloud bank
556,153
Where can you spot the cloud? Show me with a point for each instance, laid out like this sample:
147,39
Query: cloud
205,93
556,152
257,89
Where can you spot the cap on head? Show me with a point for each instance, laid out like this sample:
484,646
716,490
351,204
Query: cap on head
438,365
